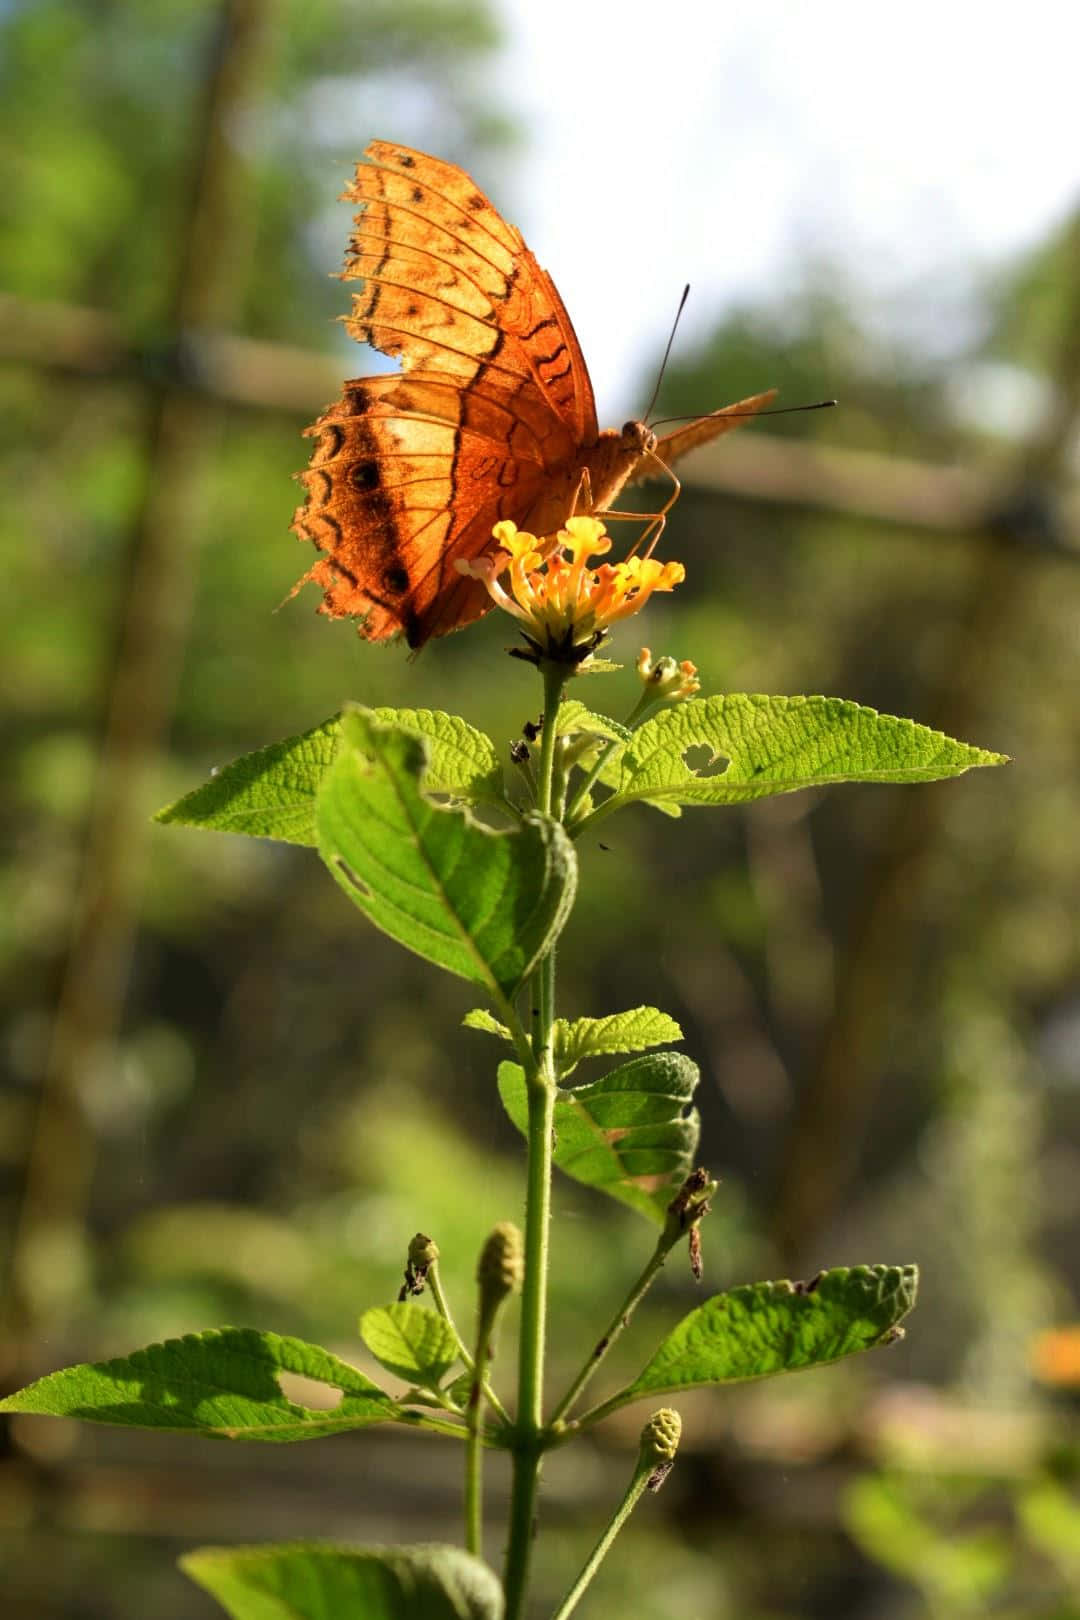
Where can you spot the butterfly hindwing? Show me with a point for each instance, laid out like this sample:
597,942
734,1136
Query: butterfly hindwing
409,474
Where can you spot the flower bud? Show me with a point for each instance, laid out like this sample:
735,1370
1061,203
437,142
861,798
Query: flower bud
666,681
501,1267
660,1436
659,1443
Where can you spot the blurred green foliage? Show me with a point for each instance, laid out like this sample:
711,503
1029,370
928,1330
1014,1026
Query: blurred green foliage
275,1120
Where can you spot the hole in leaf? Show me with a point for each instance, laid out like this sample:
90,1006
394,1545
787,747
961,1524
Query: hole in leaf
491,816
309,1392
350,877
701,761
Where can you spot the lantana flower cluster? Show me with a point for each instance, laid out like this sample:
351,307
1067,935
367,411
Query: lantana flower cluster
563,604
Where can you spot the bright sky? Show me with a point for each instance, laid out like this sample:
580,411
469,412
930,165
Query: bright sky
724,144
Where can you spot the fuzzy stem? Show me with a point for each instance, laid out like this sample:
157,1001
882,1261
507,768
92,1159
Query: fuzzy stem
474,1451
599,1552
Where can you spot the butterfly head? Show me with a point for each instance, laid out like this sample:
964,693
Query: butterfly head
638,438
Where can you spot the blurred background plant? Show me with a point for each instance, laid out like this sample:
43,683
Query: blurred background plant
218,1102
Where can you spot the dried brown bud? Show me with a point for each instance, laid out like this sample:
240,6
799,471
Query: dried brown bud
423,1253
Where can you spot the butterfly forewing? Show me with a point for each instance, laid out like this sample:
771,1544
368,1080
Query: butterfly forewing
477,266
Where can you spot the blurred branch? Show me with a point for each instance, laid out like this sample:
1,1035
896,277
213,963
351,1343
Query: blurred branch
243,371
962,501
876,966
179,429
72,341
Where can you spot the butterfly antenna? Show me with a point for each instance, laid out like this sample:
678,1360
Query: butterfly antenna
667,351
781,410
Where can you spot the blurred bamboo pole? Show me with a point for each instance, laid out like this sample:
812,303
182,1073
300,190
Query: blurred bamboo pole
213,254
875,969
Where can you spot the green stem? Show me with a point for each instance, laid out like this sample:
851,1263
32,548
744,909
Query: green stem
615,802
599,1552
554,682
529,1435
434,1282
619,1322
603,1409
689,1207
528,1444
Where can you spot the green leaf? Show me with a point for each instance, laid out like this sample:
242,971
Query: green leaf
629,1134
271,793
268,794
479,1018
223,1382
775,1327
413,1343
751,747
486,905
462,762
632,1031
320,1581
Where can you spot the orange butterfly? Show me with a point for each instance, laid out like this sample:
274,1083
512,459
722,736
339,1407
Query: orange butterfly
492,415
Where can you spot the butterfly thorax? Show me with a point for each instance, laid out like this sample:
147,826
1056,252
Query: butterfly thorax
614,458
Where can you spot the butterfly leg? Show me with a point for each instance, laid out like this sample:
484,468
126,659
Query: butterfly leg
583,498
655,522
656,528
